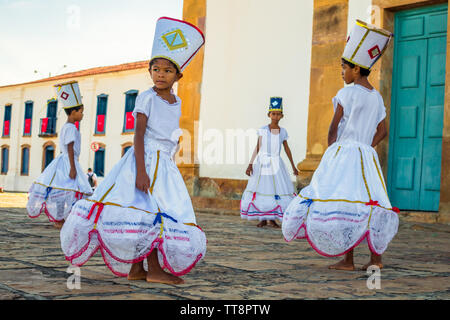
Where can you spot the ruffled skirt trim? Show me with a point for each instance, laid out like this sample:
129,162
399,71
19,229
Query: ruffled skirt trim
180,245
54,193
250,209
126,224
335,231
55,202
345,203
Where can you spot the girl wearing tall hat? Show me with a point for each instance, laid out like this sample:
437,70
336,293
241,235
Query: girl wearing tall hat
269,189
346,201
63,181
141,216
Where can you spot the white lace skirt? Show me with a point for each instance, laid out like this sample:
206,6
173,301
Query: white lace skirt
126,224
345,203
269,190
54,193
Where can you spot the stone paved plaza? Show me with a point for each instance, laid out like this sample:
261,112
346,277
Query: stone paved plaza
242,262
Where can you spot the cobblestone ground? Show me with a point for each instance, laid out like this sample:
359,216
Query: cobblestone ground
242,262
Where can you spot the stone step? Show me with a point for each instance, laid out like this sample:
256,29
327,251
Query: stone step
216,205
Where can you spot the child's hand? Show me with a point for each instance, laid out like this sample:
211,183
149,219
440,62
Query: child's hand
142,181
295,171
72,173
249,170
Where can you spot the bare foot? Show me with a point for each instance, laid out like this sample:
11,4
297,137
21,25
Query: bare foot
163,277
137,272
375,260
262,224
273,224
58,224
342,265
367,265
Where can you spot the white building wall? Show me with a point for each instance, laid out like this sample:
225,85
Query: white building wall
13,97
254,49
361,10
113,84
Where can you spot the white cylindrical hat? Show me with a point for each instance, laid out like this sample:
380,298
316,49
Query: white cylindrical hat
69,94
177,41
366,44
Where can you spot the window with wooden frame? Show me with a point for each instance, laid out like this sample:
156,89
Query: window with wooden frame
48,154
4,159
99,161
48,124
125,147
25,160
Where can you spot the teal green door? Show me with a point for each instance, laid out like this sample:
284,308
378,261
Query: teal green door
417,108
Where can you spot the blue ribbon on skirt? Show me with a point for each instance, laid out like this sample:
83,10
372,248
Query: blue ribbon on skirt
48,190
162,214
308,202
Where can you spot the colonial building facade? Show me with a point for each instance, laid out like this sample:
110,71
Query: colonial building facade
254,50
32,120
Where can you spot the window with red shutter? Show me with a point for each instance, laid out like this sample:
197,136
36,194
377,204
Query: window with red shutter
28,118
100,125
7,121
130,99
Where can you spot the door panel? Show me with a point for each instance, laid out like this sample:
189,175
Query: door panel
434,113
410,102
418,88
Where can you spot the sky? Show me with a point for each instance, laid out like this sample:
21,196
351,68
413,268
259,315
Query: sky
46,35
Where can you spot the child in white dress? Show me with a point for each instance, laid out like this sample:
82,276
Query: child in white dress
346,201
269,189
142,212
63,181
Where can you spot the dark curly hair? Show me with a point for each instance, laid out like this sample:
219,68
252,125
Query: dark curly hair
364,72
152,62
69,110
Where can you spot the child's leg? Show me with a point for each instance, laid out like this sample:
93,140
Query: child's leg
157,274
137,271
262,223
58,224
273,223
345,264
374,260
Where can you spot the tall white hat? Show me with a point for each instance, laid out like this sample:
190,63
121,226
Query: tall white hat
177,41
69,94
365,44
